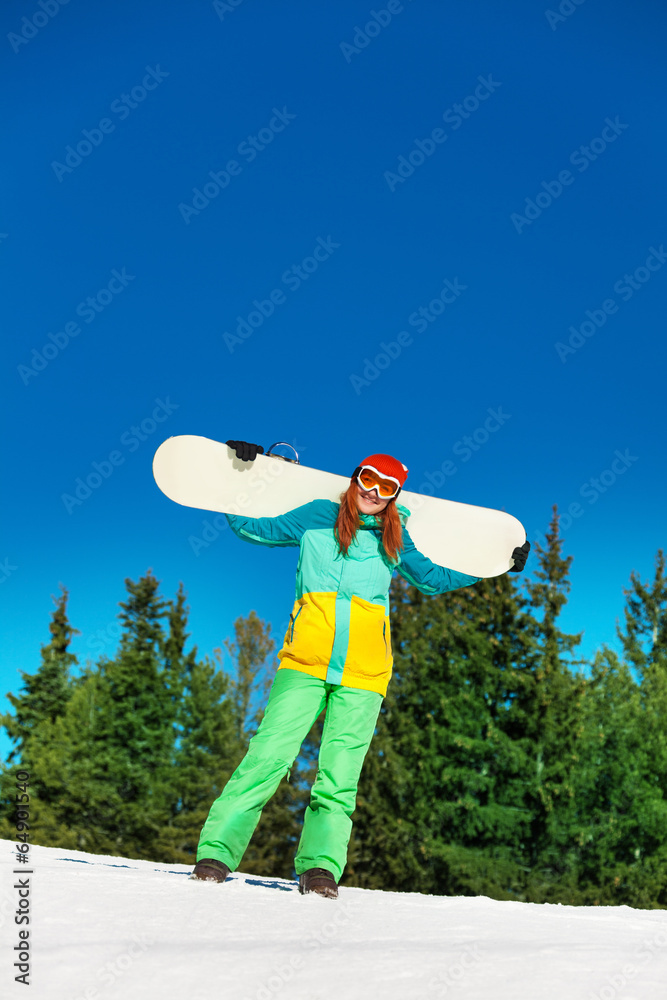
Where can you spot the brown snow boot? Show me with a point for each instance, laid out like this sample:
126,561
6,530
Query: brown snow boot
210,870
318,880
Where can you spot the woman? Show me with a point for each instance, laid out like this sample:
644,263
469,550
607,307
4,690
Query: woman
336,653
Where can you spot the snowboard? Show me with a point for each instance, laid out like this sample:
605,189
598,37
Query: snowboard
198,472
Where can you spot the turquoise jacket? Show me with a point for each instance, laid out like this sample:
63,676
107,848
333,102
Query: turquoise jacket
339,626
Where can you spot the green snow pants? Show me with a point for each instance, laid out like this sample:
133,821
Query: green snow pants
295,702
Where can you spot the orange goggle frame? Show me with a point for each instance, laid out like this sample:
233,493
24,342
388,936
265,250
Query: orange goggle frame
370,479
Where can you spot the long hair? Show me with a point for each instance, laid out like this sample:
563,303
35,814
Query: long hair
348,523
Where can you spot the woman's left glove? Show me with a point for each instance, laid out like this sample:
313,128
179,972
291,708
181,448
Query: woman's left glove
246,451
519,556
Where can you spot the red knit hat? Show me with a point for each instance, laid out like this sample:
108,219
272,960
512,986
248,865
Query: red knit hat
387,466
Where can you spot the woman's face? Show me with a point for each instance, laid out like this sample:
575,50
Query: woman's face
369,502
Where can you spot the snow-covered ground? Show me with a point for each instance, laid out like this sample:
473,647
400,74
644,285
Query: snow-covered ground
103,927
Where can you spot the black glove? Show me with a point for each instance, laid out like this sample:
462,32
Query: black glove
245,451
519,556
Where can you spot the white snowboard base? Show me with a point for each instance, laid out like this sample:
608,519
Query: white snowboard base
198,472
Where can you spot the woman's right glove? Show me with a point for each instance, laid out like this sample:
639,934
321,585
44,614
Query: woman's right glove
519,555
245,451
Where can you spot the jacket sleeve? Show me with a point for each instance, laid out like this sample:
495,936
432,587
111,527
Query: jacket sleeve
427,576
286,529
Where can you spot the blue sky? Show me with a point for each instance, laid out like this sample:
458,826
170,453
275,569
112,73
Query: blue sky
171,173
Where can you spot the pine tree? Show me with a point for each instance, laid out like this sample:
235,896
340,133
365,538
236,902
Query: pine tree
438,809
645,636
620,810
75,808
252,677
131,735
205,741
46,693
37,709
644,640
550,717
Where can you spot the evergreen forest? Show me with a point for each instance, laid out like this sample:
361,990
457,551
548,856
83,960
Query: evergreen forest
502,765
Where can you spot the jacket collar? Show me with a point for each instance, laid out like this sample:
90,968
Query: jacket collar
372,521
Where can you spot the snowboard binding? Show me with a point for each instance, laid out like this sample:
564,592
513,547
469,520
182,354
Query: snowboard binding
285,458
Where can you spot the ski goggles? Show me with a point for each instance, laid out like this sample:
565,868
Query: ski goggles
370,479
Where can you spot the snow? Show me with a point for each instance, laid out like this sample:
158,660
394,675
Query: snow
105,927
